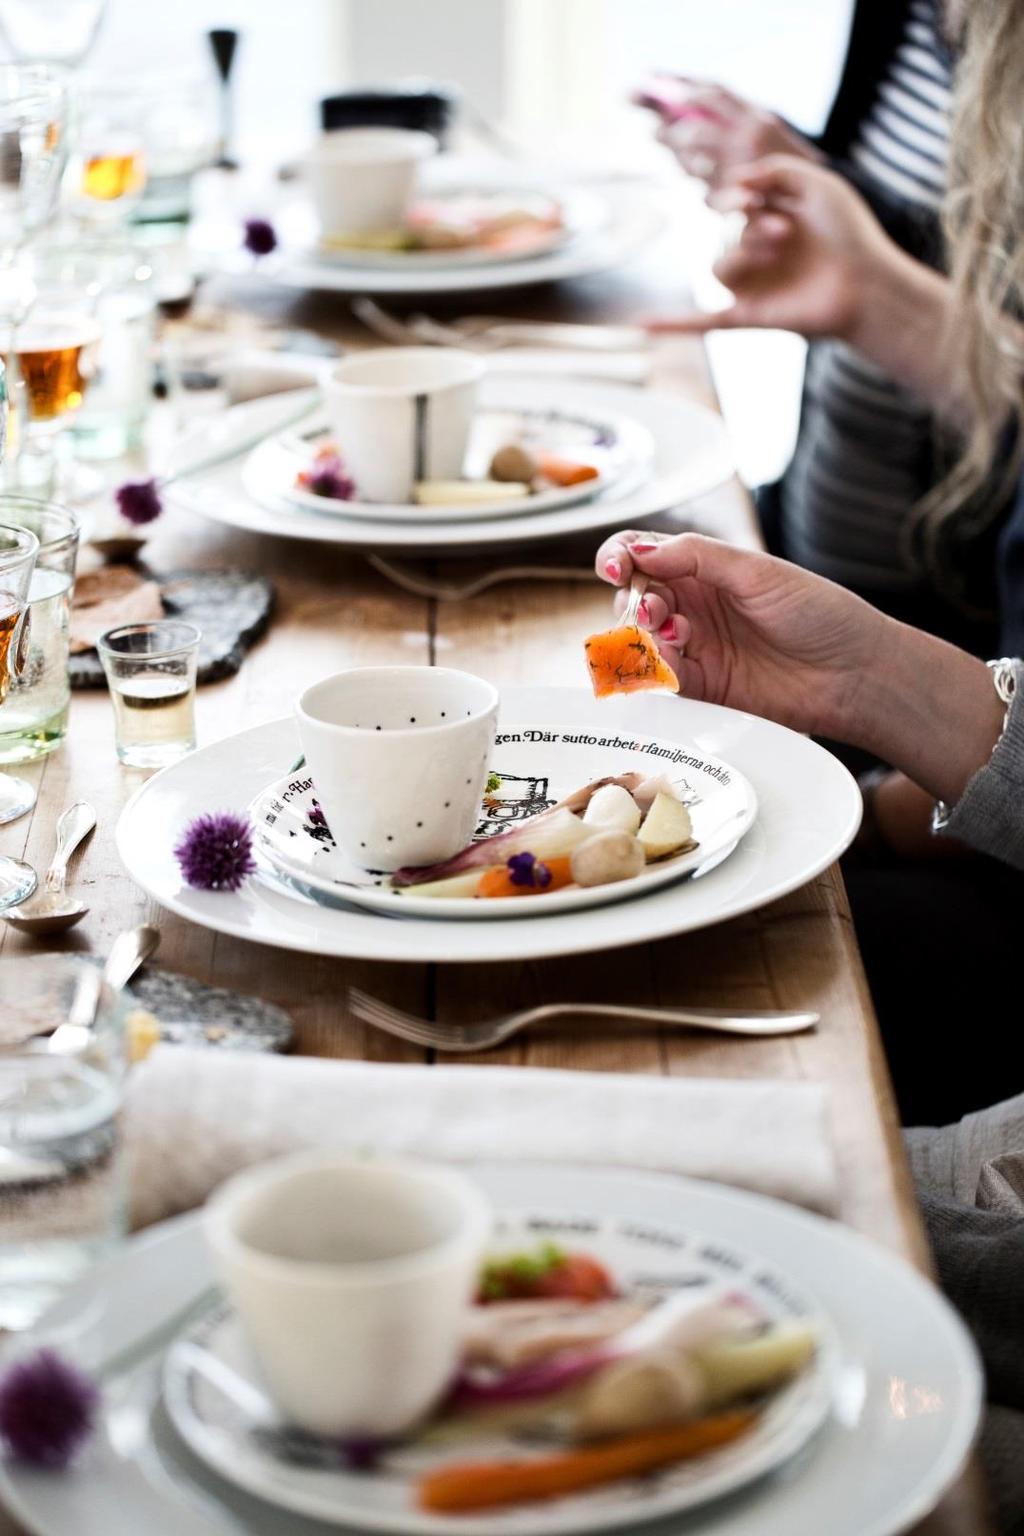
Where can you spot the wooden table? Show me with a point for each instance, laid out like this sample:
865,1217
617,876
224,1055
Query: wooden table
334,611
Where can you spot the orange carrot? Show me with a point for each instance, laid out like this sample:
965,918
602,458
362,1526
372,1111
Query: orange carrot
487,1484
498,882
564,471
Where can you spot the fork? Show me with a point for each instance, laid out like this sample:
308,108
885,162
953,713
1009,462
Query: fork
490,1032
491,332
410,579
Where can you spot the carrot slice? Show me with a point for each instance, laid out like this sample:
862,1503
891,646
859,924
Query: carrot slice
498,882
626,661
488,1484
564,471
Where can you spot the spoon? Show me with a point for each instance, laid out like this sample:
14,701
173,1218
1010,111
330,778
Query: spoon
127,953
51,910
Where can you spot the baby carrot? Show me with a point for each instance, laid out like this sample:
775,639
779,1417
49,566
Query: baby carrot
486,1484
564,471
499,882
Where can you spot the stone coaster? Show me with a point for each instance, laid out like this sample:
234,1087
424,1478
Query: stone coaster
231,608
191,1013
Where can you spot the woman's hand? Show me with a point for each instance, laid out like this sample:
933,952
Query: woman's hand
811,257
743,629
711,132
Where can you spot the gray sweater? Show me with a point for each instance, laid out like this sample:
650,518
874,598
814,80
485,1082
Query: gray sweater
990,813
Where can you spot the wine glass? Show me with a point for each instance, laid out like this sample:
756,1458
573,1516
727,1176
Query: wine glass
51,31
33,152
17,558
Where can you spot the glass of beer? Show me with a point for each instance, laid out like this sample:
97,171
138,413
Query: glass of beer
34,719
53,350
18,549
151,673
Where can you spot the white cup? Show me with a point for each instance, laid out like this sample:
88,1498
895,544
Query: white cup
362,180
350,1280
399,758
402,414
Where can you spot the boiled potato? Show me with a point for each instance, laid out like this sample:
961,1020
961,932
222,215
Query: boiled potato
613,807
606,858
666,828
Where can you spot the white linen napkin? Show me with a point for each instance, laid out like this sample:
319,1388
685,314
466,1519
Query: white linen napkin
195,1117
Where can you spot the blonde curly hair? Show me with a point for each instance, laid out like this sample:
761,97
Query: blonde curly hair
983,222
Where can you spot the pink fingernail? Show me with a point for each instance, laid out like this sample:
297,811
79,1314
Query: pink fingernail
613,570
642,549
668,629
643,613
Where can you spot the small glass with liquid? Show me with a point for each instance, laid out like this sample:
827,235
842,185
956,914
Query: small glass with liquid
34,719
61,1172
151,673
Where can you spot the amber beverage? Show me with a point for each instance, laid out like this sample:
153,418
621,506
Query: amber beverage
10,612
108,177
53,361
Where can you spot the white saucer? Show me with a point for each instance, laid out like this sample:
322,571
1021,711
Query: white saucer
808,812
537,767
905,1405
615,446
692,455
238,1439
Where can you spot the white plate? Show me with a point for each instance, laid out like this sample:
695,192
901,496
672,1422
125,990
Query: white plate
649,1260
636,217
691,456
808,812
613,445
581,213
905,1406
537,767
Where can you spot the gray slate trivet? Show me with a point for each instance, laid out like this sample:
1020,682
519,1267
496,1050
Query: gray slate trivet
232,608
191,1013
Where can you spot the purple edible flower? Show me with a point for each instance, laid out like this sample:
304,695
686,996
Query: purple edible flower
260,237
328,478
362,1454
47,1410
526,869
316,814
215,852
139,501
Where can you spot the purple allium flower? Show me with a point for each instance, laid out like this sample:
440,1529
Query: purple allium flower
260,237
139,501
215,852
328,478
526,869
316,815
47,1410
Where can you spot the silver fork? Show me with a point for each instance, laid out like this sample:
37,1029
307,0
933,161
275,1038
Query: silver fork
410,579
491,333
491,1032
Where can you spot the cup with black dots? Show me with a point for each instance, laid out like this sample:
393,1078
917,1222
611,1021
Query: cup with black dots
399,758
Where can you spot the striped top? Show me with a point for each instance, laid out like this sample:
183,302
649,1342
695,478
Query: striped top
866,450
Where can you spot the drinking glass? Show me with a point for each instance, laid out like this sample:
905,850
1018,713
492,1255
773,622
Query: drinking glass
110,159
51,31
18,549
60,1162
33,152
53,348
34,719
151,672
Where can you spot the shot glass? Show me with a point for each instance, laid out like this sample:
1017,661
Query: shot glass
34,719
151,673
60,1149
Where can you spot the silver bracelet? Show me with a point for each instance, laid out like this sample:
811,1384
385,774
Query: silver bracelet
1004,678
